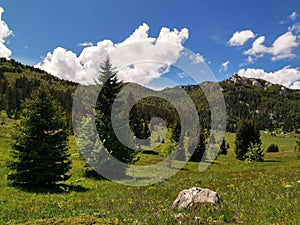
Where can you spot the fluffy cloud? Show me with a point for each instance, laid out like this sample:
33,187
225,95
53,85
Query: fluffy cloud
281,48
149,57
197,58
239,38
5,32
293,16
224,66
287,76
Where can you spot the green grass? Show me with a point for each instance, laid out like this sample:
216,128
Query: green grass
253,193
285,142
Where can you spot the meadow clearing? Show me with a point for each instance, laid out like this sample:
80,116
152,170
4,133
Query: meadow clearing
253,193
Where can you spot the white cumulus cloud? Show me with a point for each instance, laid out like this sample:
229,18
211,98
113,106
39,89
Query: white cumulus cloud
5,32
281,48
239,38
287,76
293,16
150,57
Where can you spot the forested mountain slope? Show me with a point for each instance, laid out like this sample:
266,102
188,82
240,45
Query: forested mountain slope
17,82
272,105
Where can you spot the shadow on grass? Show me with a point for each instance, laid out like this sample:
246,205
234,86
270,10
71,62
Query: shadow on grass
92,174
272,160
150,152
206,161
51,189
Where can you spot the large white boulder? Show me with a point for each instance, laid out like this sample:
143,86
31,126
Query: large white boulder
188,197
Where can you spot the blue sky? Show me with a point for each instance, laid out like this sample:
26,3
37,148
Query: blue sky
205,27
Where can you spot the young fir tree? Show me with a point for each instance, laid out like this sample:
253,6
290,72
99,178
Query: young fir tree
199,152
40,154
90,147
176,131
247,135
223,147
111,86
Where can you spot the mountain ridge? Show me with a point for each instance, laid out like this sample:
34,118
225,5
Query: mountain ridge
272,105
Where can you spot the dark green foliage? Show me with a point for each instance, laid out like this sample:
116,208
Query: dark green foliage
135,122
146,133
176,131
40,154
223,148
273,106
247,135
17,82
199,152
273,148
110,88
139,126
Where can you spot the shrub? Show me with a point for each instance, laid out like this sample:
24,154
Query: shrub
254,153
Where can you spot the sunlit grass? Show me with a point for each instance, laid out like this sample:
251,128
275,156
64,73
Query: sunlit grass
253,193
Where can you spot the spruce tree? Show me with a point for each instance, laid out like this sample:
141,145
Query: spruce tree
146,133
176,131
40,154
111,86
199,152
247,135
223,147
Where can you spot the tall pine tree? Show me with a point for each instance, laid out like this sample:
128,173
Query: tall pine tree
40,154
111,86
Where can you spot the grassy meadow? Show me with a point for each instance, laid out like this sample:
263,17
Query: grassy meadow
253,193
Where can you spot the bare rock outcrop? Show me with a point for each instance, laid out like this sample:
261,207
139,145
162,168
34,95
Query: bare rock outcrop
188,197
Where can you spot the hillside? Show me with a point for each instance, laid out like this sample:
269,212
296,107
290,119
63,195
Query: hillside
273,106
17,82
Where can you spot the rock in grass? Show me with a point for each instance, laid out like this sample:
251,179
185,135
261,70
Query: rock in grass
188,197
